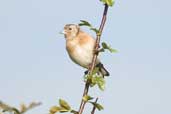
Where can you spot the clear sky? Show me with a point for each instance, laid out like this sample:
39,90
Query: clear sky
34,65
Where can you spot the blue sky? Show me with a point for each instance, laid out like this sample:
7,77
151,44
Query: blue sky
34,65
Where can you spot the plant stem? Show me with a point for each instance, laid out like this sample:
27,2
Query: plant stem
82,105
94,108
87,85
103,21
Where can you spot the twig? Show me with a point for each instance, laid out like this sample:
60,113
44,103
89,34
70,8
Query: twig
94,107
87,85
82,105
22,110
98,38
25,108
8,108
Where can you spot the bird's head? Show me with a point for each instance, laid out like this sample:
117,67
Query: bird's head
71,31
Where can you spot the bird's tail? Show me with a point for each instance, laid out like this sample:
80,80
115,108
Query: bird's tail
102,70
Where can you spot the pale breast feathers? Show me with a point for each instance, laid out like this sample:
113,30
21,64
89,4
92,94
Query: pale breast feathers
80,49
86,41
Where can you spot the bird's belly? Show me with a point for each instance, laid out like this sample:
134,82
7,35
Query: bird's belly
82,56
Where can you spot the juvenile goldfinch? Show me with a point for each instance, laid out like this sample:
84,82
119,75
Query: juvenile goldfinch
80,47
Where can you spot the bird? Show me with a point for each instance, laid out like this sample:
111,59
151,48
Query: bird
80,47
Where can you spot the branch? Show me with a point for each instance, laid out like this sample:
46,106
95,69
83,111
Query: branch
94,107
98,36
22,110
8,108
25,108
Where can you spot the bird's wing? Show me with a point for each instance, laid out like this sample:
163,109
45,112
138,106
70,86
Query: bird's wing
85,40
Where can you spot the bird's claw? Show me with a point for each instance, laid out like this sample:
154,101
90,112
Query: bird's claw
96,51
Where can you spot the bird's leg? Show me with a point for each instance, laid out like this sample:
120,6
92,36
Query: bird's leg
89,67
96,51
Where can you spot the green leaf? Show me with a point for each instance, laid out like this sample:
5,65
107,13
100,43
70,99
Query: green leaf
108,47
64,104
100,83
99,80
74,112
102,50
112,50
62,110
54,109
97,105
96,31
87,98
108,2
95,70
105,46
84,23
95,79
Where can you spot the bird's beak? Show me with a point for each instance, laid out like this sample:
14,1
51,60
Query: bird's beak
63,32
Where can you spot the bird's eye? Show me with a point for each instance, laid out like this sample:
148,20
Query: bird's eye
70,28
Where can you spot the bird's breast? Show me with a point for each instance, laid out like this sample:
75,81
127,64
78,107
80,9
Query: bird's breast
80,54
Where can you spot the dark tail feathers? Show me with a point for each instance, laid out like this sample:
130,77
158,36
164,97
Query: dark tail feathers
102,70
